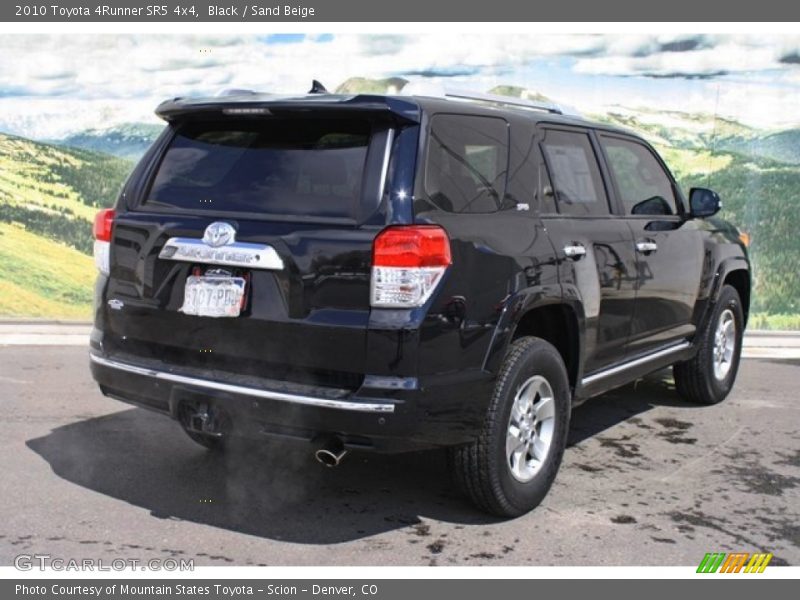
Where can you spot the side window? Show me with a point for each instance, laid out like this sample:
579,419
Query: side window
467,163
643,185
574,173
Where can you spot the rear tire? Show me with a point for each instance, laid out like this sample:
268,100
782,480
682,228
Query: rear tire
509,469
708,377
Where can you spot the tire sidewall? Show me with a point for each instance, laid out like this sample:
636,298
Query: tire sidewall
729,299
542,359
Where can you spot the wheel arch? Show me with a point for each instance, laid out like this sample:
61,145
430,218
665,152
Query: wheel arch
739,279
545,315
734,271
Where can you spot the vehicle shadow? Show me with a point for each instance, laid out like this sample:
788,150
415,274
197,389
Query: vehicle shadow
622,404
280,492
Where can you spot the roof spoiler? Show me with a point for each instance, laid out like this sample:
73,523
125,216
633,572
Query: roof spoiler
247,103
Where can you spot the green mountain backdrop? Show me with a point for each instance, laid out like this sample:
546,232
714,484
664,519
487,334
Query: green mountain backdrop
129,140
49,193
48,198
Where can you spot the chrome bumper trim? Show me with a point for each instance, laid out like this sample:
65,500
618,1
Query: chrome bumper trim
371,407
237,254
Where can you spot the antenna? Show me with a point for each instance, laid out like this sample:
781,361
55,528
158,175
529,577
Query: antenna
713,140
317,88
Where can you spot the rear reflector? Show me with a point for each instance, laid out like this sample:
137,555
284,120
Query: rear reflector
408,263
103,223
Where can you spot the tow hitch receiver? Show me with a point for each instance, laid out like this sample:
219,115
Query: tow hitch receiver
202,418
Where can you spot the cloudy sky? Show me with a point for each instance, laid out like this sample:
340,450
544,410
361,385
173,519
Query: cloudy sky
54,85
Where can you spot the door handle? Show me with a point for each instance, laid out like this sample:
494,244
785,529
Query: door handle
646,246
574,251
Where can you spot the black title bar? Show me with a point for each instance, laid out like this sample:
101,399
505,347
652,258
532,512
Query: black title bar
198,11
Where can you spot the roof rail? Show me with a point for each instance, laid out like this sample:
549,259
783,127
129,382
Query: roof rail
504,100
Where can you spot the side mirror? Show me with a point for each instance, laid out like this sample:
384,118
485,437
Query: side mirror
703,202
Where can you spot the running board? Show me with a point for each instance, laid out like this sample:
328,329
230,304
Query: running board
636,362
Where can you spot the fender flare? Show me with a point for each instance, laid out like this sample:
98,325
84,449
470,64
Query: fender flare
725,268
518,305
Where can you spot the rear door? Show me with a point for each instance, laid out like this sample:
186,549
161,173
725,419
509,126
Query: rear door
248,250
669,248
595,246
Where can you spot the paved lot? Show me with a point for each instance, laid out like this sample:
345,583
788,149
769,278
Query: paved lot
647,479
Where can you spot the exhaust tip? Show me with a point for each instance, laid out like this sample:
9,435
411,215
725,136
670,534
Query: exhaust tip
327,458
331,454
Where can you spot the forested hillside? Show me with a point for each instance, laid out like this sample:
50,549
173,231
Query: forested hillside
48,198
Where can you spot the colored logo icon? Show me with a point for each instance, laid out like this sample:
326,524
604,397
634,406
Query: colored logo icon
736,562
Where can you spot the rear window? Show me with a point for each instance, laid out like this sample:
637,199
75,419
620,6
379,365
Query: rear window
575,174
467,163
280,167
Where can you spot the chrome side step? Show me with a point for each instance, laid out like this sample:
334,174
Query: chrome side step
371,407
634,363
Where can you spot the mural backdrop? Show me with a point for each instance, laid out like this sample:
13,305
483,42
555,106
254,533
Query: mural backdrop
76,112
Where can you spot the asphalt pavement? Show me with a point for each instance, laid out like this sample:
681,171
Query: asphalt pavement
647,479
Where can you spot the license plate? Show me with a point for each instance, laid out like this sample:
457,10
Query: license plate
213,296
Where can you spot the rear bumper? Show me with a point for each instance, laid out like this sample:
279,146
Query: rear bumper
242,390
441,411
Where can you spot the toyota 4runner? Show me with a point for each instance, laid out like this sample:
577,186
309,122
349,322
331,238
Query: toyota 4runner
391,273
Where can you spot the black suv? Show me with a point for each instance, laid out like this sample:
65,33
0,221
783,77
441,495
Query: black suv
392,273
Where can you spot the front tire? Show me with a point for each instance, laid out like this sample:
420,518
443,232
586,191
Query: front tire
708,377
509,469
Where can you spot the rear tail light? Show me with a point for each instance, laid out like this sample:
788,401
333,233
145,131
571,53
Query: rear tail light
408,262
103,223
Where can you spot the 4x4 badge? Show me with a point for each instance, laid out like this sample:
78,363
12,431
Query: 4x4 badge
219,234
